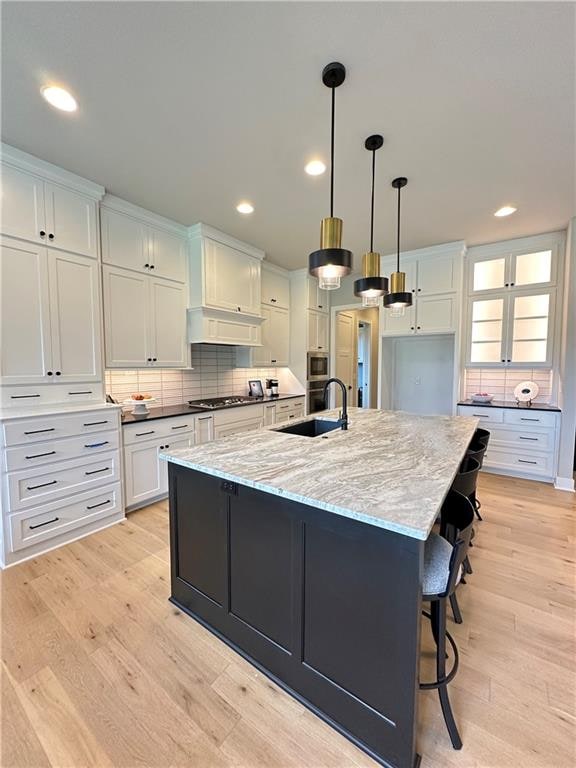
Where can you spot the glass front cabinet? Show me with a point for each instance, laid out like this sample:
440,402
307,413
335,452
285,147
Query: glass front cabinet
511,303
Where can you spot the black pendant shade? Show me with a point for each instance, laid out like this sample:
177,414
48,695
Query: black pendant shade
372,286
331,262
399,297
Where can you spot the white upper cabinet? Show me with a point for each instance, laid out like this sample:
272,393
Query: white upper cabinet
144,321
25,348
133,239
435,275
318,299
42,212
74,317
526,263
317,331
275,288
50,316
23,205
232,279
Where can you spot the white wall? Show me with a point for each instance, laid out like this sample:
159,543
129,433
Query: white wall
565,479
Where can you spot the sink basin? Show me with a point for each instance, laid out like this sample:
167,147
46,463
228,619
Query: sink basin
311,428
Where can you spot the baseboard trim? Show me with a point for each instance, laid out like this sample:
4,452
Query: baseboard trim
564,484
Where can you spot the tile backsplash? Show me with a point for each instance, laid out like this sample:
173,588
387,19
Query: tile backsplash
215,373
500,382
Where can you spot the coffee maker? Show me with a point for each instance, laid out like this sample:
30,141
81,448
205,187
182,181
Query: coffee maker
272,387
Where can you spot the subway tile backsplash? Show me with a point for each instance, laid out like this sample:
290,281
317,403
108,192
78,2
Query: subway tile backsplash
501,382
215,374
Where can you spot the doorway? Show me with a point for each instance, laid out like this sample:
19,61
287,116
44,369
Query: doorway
355,354
364,360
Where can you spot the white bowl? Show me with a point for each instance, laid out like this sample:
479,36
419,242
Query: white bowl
482,398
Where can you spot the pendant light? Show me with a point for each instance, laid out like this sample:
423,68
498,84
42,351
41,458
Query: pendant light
371,287
331,262
398,298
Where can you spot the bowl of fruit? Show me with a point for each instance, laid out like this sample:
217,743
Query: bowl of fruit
140,403
482,397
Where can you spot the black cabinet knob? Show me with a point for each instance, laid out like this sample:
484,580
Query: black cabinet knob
49,373
419,289
58,373
273,301
146,266
511,284
149,360
503,360
320,306
508,361
151,266
239,309
154,359
506,285
50,236
272,361
42,233
418,327
411,327
166,446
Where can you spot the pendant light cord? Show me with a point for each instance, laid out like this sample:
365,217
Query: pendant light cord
332,153
398,236
372,201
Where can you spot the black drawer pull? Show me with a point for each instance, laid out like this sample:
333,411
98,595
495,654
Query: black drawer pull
141,434
525,461
481,415
182,426
39,431
39,455
21,397
42,485
85,392
95,423
97,471
529,438
524,418
54,520
102,503
96,445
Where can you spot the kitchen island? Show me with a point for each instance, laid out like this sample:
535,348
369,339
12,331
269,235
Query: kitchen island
305,554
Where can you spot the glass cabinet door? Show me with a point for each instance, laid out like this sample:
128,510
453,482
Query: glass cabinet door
530,337
487,331
531,268
489,274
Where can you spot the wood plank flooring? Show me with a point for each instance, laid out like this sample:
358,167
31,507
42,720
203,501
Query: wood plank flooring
98,669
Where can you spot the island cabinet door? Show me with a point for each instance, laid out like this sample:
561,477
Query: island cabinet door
327,605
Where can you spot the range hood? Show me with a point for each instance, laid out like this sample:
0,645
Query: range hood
219,326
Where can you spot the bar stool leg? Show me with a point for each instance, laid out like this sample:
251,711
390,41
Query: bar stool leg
438,607
477,507
455,609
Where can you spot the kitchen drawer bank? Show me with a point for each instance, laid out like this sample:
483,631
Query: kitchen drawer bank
61,477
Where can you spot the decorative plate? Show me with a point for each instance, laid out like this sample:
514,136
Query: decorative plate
140,407
526,391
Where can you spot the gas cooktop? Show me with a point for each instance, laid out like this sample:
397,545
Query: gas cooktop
221,402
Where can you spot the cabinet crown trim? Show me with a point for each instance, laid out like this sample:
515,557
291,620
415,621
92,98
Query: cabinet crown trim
204,230
112,203
268,267
455,248
49,172
519,244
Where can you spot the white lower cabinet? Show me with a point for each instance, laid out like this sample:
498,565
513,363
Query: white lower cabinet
289,409
61,478
204,429
236,420
523,442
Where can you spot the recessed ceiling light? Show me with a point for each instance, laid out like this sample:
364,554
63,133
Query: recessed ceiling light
245,208
506,210
60,98
315,168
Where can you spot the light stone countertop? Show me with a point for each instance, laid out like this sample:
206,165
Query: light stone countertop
390,469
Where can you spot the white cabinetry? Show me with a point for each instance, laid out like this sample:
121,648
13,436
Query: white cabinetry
225,289
275,335
60,478
317,331
523,441
144,320
50,315
235,420
134,243
43,212
511,318
316,298
433,276
275,286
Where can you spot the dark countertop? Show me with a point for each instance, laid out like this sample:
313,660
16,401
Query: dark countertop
514,406
181,410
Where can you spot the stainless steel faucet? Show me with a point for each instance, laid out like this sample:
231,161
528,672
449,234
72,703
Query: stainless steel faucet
344,413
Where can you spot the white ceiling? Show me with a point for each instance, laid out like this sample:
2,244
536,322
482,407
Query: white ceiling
186,108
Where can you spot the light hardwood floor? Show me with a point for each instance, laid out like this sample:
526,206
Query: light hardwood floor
98,669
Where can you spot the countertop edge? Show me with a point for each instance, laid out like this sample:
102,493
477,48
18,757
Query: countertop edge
512,406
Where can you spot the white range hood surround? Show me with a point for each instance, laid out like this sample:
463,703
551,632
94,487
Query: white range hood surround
215,326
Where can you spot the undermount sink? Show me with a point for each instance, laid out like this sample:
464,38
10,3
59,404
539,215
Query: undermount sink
311,428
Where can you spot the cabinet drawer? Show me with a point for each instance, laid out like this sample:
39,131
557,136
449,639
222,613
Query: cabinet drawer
248,425
527,418
150,430
38,485
530,463
37,428
47,394
239,414
22,457
33,526
529,439
488,415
